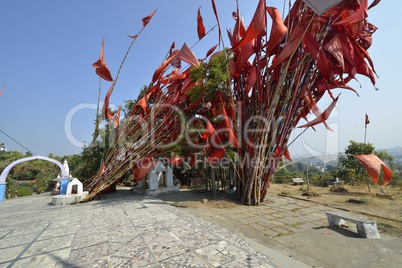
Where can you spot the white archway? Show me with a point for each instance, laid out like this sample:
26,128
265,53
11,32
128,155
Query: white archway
5,172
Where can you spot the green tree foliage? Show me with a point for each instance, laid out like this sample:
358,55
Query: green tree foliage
7,158
88,163
211,77
36,175
285,174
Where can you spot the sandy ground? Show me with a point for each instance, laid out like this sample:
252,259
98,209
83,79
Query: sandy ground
310,246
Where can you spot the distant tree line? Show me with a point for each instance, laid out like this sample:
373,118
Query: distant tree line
38,176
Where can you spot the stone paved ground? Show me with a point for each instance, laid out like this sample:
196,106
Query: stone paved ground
128,230
123,230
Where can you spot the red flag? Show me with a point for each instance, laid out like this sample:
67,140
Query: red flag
162,68
175,160
257,25
231,136
217,20
102,169
133,36
101,68
143,167
374,3
143,102
278,28
360,14
209,130
334,46
323,117
373,166
117,117
148,18
216,155
285,153
105,108
212,49
367,120
2,88
172,47
187,55
200,25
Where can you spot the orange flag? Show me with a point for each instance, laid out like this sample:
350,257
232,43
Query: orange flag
373,164
101,68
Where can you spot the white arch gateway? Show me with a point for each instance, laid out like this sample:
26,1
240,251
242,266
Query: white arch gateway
5,172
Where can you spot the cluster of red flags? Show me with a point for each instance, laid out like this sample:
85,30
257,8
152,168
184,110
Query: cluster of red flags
282,77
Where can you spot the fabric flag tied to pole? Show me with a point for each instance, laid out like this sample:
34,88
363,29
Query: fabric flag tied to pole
373,166
367,120
100,66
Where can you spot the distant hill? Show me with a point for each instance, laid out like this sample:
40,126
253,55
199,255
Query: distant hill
395,151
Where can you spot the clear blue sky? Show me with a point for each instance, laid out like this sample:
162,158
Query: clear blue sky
47,49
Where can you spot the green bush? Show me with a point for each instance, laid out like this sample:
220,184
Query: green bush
21,190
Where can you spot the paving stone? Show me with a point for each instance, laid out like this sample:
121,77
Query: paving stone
281,231
123,230
48,259
48,245
257,227
187,259
219,253
137,257
316,216
88,254
11,241
10,253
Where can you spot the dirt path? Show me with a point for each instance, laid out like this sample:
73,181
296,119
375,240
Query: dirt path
296,225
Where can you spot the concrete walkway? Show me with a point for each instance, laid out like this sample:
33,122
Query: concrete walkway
121,230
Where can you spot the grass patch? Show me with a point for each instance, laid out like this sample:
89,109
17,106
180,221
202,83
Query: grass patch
385,227
19,191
